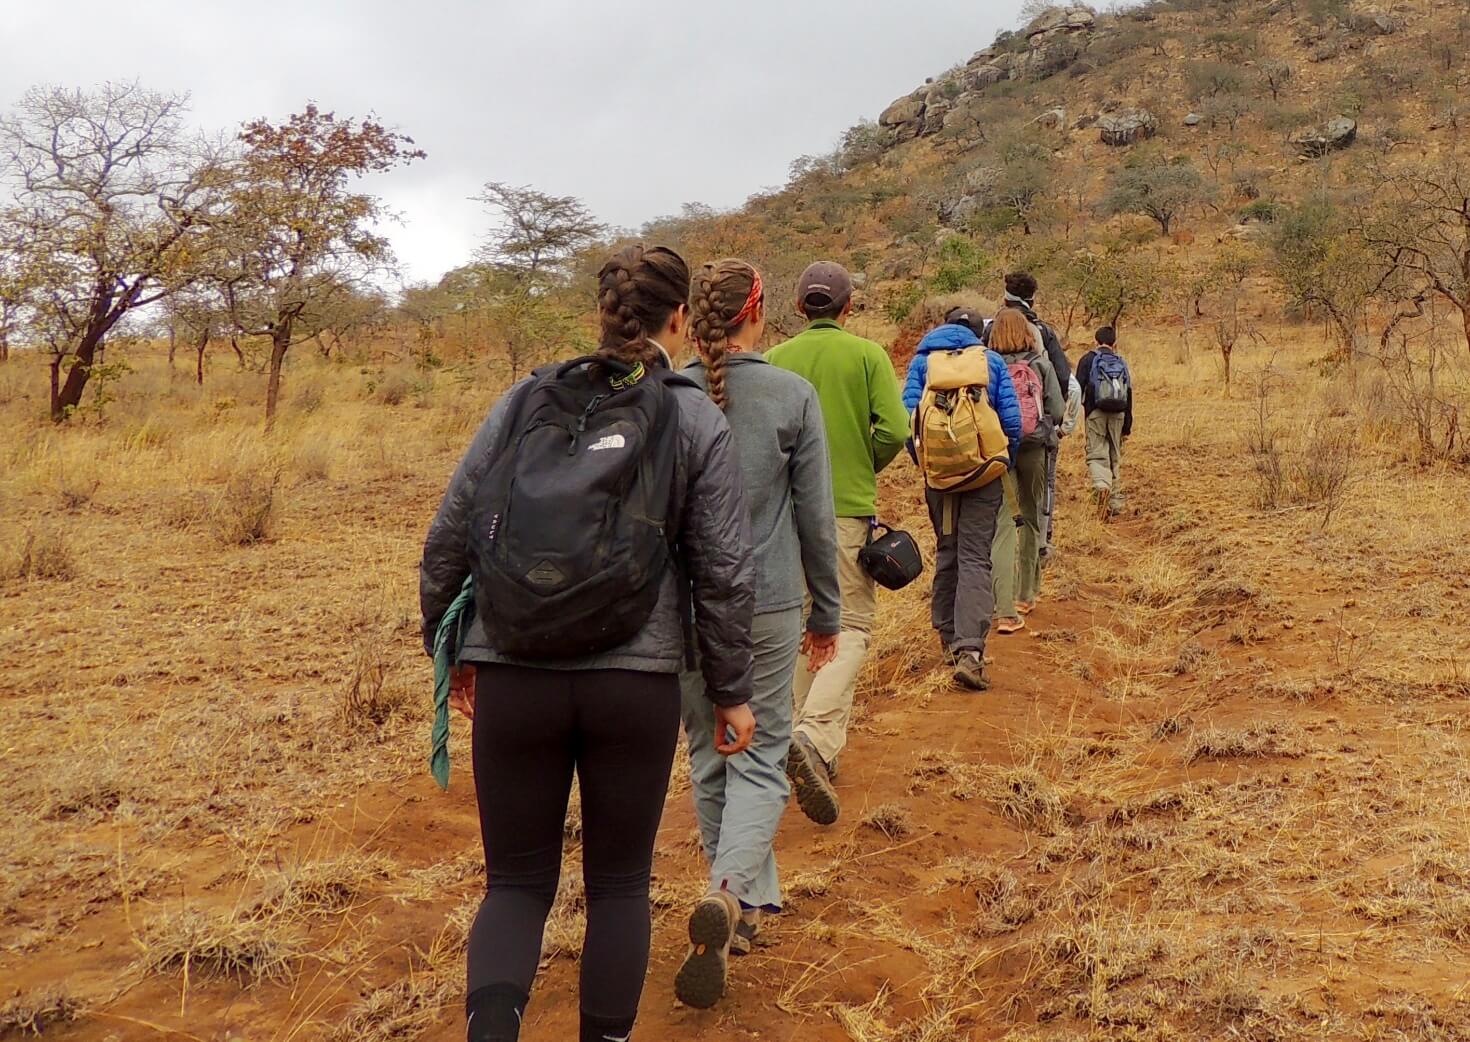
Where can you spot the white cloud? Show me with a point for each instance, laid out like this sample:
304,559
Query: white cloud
634,108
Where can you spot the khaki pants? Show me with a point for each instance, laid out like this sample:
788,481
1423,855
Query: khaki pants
1105,454
824,700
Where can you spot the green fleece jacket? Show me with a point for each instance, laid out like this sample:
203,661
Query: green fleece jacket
862,408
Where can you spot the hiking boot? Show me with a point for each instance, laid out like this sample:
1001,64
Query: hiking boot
746,931
812,781
1005,627
701,980
970,672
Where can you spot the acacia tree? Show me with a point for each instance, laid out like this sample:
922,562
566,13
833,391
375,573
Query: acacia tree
1419,225
538,234
1326,265
1158,188
297,235
109,202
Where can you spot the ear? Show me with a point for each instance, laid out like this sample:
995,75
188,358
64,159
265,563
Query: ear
846,310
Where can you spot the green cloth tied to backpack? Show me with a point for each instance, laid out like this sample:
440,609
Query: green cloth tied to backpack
448,641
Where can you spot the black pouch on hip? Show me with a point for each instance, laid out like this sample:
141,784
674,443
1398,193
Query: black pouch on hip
890,557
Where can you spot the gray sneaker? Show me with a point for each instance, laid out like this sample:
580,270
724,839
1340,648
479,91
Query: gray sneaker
811,781
970,672
746,931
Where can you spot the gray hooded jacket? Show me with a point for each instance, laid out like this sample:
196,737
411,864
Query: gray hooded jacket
709,499
782,446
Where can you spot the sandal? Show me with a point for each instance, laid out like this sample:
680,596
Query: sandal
1005,627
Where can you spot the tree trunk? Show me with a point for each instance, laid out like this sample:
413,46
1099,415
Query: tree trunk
173,343
239,355
55,385
1225,353
4,346
280,342
199,361
77,376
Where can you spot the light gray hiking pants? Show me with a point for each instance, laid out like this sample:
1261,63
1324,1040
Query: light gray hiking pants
739,800
1105,453
964,598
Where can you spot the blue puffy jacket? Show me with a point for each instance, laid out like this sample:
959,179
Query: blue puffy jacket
1002,392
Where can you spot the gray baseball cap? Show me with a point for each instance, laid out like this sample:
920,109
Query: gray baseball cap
823,284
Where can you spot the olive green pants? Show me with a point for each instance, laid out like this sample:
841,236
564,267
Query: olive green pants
1016,555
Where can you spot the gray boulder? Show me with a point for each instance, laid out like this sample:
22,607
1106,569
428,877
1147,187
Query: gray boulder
1074,19
1332,136
905,117
1127,127
1194,119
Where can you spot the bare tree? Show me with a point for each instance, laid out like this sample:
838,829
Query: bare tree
1419,224
109,198
297,234
539,233
1276,75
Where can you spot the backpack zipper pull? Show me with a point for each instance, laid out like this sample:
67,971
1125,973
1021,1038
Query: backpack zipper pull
582,422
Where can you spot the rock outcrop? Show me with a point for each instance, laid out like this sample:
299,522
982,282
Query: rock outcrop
1332,136
1127,127
1049,45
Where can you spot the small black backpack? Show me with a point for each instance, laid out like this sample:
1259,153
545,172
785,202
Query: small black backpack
892,559
570,533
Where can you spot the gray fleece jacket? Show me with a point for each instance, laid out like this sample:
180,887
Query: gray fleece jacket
781,443
714,533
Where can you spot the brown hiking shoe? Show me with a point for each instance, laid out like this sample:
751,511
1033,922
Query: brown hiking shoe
970,672
701,980
811,781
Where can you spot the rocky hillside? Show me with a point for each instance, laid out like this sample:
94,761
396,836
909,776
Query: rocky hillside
1203,120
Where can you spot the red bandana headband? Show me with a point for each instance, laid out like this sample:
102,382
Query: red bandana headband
757,294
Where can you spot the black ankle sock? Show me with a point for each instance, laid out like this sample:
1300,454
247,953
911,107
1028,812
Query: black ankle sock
606,1029
494,1013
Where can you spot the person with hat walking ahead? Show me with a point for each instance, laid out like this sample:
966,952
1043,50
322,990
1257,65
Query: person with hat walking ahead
866,426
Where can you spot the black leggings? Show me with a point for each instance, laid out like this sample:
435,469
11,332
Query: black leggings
618,729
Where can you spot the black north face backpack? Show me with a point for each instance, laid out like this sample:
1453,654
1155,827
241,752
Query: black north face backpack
570,534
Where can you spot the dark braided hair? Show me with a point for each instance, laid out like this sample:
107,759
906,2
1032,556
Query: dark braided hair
719,295
637,290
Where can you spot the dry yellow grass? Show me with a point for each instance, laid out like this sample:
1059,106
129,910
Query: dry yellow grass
1215,794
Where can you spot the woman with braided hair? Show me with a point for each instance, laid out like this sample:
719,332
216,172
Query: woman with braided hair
781,448
610,718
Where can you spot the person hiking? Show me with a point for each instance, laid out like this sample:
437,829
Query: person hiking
1017,552
1107,398
1071,418
571,662
963,598
866,428
1020,293
781,446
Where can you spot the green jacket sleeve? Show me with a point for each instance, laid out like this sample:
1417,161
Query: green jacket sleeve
885,400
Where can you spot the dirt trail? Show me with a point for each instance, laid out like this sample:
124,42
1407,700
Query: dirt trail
1150,821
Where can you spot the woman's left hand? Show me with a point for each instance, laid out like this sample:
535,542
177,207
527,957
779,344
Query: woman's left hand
733,718
462,690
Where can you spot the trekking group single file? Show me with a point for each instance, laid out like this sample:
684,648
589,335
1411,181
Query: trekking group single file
631,548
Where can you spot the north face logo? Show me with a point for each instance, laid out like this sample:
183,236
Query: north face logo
612,441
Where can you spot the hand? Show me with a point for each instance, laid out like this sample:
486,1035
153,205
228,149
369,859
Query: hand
820,649
462,690
733,718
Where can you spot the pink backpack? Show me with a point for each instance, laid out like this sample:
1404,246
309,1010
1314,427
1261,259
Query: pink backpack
1030,393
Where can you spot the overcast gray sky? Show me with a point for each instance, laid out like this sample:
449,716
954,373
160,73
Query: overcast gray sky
635,106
